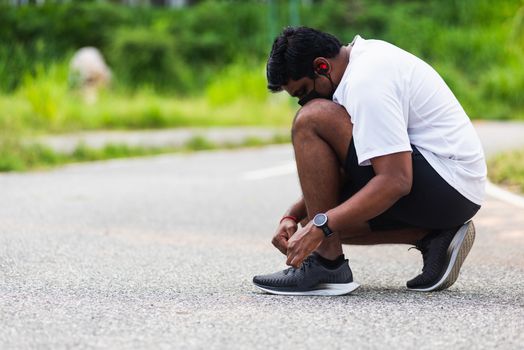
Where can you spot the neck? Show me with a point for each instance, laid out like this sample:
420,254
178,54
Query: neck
341,64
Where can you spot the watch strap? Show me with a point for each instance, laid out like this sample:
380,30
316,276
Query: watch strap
327,231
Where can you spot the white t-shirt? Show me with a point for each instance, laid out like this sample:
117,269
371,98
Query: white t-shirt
394,100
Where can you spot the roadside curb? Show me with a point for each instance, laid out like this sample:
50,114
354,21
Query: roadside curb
160,138
497,137
504,195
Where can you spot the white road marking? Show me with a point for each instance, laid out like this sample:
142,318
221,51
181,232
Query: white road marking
281,170
504,195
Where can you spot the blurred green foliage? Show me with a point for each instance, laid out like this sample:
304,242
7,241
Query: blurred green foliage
164,48
237,80
147,57
211,56
478,44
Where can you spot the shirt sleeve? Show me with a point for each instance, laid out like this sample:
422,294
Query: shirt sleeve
379,122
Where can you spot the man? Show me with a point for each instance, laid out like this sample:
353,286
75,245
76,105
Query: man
385,154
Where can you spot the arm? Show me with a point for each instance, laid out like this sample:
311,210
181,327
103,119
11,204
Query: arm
298,210
393,180
288,227
380,133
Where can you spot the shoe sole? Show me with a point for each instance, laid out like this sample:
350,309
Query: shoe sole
457,252
324,289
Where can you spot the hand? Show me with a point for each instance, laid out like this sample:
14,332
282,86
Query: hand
303,243
285,230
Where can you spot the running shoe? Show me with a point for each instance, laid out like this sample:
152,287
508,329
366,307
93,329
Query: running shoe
311,278
443,253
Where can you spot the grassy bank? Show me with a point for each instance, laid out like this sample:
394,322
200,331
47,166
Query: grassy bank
507,170
22,157
141,110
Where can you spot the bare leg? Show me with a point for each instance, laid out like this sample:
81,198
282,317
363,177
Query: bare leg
321,133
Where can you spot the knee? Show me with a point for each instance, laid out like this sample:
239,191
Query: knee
316,115
307,117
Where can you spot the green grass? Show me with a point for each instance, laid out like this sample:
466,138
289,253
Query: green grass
141,110
45,103
16,156
507,169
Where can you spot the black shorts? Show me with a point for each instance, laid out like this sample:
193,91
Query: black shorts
432,202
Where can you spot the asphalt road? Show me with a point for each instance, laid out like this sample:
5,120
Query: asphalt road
159,253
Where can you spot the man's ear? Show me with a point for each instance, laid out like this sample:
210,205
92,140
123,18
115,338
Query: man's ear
321,66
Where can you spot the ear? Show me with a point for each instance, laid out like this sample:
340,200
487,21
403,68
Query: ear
321,66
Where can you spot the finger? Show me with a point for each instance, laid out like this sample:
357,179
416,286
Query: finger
290,255
293,259
291,247
281,244
296,261
280,248
279,238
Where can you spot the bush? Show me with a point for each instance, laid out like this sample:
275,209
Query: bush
473,43
235,82
141,57
15,63
504,84
46,91
32,35
217,33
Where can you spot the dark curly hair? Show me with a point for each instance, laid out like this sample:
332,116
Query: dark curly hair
293,53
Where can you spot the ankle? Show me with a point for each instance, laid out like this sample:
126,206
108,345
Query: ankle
330,254
422,237
330,263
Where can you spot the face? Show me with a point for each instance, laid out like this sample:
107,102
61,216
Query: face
306,89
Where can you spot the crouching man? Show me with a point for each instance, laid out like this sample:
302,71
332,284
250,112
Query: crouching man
385,154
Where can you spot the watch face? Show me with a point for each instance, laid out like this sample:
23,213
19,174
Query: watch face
320,220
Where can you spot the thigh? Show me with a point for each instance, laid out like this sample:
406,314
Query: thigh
432,202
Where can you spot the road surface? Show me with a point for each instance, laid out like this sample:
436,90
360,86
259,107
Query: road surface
159,253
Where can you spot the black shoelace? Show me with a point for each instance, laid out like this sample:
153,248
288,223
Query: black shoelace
306,263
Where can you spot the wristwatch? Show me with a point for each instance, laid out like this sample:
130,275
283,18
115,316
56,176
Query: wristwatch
320,220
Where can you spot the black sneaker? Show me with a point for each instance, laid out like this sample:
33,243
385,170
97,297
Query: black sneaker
311,278
443,253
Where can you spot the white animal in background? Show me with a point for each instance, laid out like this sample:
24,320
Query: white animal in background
89,72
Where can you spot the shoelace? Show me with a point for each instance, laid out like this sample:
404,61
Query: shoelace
306,263
423,250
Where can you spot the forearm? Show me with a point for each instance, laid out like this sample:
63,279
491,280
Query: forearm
298,210
378,195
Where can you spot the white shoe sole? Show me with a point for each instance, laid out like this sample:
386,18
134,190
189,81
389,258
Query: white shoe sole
458,251
324,289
